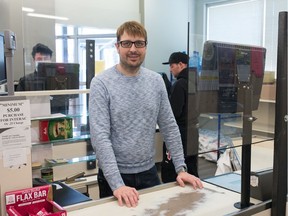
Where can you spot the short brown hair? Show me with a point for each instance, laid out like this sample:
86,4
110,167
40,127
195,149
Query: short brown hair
132,28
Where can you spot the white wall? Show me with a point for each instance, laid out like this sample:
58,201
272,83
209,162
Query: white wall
98,13
166,22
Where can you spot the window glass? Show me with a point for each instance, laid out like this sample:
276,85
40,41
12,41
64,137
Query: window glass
86,30
241,18
71,47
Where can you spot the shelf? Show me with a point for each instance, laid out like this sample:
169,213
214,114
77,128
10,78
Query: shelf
52,92
267,101
59,115
66,141
52,116
260,127
222,115
67,161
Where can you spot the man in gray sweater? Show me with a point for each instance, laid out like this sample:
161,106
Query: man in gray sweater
126,103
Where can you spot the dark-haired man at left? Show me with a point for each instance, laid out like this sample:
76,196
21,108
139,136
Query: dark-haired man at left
36,81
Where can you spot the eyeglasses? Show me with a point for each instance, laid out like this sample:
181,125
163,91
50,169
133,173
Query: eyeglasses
137,44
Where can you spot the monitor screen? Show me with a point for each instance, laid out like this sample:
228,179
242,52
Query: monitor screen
227,69
59,76
3,75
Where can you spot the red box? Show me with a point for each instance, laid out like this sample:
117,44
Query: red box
33,202
55,129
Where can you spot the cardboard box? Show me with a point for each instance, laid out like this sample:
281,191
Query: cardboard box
36,201
55,129
269,77
268,92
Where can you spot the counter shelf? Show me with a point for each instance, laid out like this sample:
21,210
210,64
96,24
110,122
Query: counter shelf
63,141
61,162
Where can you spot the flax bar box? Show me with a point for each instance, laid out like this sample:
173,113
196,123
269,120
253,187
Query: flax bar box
56,129
33,202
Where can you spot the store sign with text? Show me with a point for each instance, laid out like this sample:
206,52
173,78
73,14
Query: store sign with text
14,113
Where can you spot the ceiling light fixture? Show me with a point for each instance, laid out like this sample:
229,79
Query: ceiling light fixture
47,16
26,9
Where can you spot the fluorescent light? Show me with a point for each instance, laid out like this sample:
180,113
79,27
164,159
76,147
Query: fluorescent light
47,16
26,9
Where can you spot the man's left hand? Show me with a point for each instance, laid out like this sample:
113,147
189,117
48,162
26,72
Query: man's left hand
184,177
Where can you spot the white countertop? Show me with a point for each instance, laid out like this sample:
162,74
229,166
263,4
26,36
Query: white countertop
167,199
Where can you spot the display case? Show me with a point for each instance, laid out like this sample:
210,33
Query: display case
61,145
233,117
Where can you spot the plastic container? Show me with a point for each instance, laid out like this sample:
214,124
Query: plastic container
196,61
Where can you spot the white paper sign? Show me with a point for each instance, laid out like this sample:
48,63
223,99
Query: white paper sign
15,158
14,113
17,137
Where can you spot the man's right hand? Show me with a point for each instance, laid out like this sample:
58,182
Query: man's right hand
127,195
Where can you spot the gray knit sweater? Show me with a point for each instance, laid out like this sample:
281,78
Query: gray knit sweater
123,114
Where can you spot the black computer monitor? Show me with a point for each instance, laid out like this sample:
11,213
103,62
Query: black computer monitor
59,76
227,69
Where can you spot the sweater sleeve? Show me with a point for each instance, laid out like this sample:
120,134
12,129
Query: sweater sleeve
100,133
170,131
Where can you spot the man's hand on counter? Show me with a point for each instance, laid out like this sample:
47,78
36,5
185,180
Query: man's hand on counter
184,177
127,195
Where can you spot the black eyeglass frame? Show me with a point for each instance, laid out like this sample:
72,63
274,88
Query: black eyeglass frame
133,42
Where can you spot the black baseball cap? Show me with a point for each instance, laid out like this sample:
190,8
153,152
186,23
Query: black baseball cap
177,57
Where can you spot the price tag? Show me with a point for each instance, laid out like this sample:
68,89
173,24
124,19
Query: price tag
14,113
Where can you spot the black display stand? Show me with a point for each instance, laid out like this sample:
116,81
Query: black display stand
246,146
90,73
236,74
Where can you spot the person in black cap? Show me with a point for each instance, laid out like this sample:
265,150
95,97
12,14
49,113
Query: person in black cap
178,62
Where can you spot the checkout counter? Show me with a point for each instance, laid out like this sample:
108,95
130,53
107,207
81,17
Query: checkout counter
168,199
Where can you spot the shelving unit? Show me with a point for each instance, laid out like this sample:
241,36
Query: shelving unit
265,114
74,154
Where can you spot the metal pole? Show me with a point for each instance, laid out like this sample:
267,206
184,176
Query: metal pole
246,148
10,46
279,192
